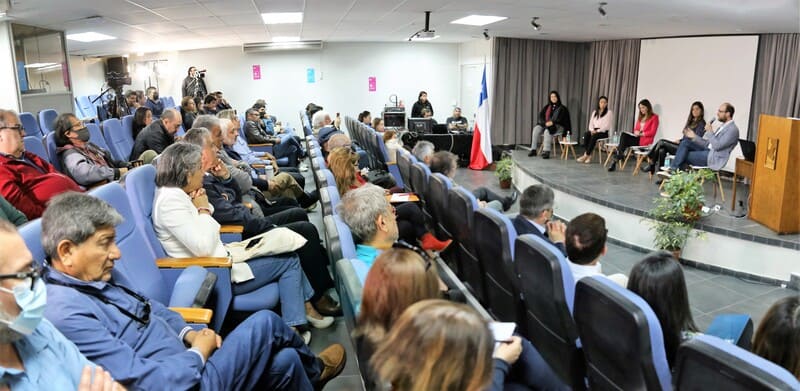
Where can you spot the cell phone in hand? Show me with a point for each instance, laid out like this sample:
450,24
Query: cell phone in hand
252,243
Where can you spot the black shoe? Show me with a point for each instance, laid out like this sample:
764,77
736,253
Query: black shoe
509,201
532,153
647,167
613,166
308,199
659,181
546,155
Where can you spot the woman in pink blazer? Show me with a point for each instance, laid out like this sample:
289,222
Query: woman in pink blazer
644,132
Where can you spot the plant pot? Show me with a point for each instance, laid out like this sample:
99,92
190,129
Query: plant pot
505,183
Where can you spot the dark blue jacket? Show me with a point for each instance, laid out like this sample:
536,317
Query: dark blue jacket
523,226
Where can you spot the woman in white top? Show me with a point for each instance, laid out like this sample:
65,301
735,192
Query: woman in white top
185,228
392,145
600,124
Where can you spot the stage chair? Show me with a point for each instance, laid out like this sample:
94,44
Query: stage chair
34,145
438,187
46,119
632,151
621,337
494,236
556,144
718,180
30,124
610,149
547,289
706,362
460,217
599,147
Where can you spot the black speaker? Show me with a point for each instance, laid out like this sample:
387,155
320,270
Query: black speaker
118,65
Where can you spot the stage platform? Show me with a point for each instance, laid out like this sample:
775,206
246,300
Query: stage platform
736,246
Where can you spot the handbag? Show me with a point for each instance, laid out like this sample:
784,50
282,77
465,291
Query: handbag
276,241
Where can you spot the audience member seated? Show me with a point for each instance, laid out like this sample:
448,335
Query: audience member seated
644,132
402,277
29,344
365,117
282,147
226,199
312,109
132,102
658,279
586,243
265,120
658,153
26,181
446,163
392,144
421,104
144,344
222,104
457,122
86,163
714,150
182,218
778,336
423,151
536,216
210,105
323,127
188,112
157,136
11,214
141,119
153,102
554,118
377,124
600,123
426,113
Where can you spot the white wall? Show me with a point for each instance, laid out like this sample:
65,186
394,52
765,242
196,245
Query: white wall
9,99
342,72
86,74
472,57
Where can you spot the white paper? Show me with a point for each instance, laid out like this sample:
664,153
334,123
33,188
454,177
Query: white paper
502,331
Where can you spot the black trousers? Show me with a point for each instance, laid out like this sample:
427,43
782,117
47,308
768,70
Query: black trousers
660,151
484,194
590,140
626,140
410,221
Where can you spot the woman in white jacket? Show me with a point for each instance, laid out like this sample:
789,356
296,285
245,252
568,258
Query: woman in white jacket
600,123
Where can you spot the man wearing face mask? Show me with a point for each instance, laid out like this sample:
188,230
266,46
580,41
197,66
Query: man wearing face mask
157,136
29,344
153,102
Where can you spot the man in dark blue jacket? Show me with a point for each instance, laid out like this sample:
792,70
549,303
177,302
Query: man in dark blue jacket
536,214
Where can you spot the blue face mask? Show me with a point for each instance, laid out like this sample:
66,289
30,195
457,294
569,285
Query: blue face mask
31,302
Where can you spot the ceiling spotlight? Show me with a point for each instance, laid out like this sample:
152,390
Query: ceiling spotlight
536,26
486,34
601,10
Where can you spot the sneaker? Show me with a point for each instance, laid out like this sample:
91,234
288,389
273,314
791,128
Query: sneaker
532,153
323,323
613,166
333,359
430,242
306,335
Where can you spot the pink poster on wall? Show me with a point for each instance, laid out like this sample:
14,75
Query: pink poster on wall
256,72
372,84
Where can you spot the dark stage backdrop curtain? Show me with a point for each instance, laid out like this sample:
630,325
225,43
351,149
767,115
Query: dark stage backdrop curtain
777,84
525,71
613,69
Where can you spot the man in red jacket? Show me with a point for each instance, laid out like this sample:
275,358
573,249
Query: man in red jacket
26,180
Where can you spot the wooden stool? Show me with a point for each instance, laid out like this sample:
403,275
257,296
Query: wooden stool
600,147
556,143
566,147
610,149
640,156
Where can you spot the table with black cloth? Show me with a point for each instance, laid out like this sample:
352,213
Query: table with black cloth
459,144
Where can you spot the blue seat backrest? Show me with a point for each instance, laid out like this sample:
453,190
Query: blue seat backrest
35,146
330,180
494,236
461,207
345,238
127,124
404,165
31,233
140,185
96,136
420,174
88,108
548,291
120,142
50,144
333,193
621,338
438,187
321,162
706,362
30,124
47,118
138,260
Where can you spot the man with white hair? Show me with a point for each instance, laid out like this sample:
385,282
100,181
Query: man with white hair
324,127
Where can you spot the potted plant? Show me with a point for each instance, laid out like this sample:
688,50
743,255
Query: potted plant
503,170
678,209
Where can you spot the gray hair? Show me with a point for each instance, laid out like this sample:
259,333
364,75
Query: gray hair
225,124
227,114
170,114
535,200
318,120
206,121
75,217
251,111
422,150
197,136
4,114
359,208
177,163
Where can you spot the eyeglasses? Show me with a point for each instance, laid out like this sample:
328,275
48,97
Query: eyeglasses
17,127
402,244
33,274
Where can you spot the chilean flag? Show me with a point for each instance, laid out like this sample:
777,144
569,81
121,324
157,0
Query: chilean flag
481,155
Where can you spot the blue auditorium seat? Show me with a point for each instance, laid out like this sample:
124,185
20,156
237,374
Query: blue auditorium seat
460,216
621,337
120,142
31,233
50,145
404,162
438,187
96,136
127,124
88,109
548,292
420,176
30,124
325,178
383,155
47,118
494,237
34,145
709,363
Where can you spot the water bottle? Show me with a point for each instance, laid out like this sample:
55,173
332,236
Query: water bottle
668,161
269,171
615,138
569,138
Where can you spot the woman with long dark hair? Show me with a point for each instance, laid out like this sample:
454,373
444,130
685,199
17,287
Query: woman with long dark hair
421,103
553,121
600,124
141,119
658,153
644,131
778,336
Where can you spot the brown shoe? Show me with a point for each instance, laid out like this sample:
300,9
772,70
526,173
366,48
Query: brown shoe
333,359
328,307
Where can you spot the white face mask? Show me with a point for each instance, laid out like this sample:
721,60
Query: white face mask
32,303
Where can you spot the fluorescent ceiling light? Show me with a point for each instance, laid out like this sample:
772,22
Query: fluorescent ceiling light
282,17
285,39
422,39
40,64
478,20
89,37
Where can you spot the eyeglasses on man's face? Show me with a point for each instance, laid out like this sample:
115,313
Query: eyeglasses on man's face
28,277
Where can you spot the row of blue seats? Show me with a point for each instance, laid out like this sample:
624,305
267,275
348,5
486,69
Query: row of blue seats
373,144
595,328
86,106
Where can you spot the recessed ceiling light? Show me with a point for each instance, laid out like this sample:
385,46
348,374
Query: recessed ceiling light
282,17
89,37
40,64
478,20
421,39
285,39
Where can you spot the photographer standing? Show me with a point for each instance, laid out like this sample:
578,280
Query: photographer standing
194,85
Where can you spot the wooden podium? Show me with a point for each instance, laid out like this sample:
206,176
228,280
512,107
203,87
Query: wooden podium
775,190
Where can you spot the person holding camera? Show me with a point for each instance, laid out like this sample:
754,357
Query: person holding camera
194,84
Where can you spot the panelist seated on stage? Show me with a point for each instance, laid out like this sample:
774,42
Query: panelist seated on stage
446,163
714,150
457,122
600,123
553,121
644,132
658,153
536,216
586,243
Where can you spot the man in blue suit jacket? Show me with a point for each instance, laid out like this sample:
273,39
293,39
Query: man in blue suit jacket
535,214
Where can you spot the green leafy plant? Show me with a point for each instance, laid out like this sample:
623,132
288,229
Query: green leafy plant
503,168
676,213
